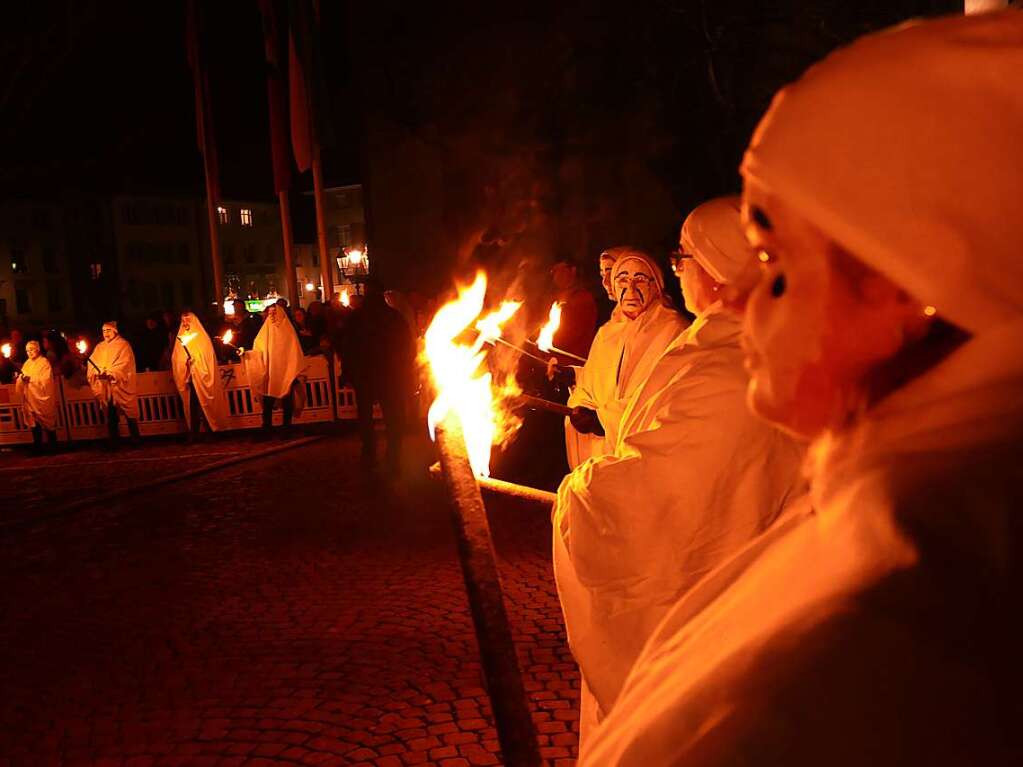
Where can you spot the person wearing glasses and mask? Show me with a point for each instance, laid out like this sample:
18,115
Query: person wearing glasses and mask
597,388
881,194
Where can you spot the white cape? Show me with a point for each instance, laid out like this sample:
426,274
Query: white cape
202,371
693,478
39,396
621,357
117,359
276,358
740,662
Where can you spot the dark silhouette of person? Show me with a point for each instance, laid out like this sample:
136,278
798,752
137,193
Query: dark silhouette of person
377,356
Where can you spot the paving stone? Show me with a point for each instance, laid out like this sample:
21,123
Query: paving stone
282,609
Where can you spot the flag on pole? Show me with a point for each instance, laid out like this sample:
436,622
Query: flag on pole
205,135
276,95
308,90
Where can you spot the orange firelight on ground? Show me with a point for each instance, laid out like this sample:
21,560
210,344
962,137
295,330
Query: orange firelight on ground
346,300
465,387
545,341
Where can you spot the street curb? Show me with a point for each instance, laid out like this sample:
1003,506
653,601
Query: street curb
124,492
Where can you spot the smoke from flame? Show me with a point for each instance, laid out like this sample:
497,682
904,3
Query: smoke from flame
465,386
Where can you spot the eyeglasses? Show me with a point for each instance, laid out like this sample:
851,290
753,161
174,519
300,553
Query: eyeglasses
676,258
637,280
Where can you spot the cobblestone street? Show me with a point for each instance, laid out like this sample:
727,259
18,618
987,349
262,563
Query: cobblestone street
277,611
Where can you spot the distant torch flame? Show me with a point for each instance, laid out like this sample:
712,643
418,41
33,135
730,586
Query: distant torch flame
228,335
546,338
82,346
346,300
463,383
6,350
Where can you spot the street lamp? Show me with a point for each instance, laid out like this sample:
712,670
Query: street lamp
354,264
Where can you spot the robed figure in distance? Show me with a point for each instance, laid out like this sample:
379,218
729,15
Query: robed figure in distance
274,366
642,325
692,476
194,365
111,373
881,195
38,392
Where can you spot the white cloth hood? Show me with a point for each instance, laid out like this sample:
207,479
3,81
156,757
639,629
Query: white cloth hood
713,235
905,149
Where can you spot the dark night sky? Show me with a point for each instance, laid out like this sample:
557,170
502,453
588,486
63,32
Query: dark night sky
97,96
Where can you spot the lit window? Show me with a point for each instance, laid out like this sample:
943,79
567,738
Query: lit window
222,215
246,217
96,270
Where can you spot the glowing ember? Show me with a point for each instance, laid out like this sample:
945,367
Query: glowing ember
228,335
6,350
82,346
490,326
346,300
546,338
464,386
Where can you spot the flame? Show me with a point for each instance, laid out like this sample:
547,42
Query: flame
228,335
490,326
464,385
6,350
229,309
185,339
346,300
546,338
82,346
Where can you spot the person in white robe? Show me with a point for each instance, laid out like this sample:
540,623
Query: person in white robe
275,366
38,390
594,381
882,192
197,377
624,351
111,375
692,478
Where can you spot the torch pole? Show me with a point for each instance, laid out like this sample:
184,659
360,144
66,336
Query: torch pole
528,400
554,350
483,587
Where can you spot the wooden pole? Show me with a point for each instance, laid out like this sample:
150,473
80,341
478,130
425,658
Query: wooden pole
214,223
501,487
483,586
527,400
291,279
326,272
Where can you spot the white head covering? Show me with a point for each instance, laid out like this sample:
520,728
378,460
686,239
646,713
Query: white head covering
629,254
32,343
906,148
713,235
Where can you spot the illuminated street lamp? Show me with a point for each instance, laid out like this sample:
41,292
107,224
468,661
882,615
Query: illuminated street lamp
354,265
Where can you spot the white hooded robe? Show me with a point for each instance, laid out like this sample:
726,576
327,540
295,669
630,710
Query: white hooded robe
116,358
202,372
693,477
276,358
39,395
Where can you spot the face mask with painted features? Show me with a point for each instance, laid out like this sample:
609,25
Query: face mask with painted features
635,287
816,322
109,333
186,323
32,350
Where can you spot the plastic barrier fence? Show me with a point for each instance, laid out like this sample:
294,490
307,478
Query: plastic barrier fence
161,411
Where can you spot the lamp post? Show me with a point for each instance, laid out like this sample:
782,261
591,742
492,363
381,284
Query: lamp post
354,265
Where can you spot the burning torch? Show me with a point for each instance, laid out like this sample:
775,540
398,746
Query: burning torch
226,341
545,341
6,351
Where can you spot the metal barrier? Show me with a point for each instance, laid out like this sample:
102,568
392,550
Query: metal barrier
160,410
